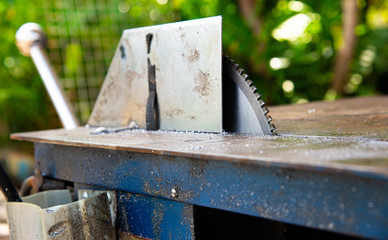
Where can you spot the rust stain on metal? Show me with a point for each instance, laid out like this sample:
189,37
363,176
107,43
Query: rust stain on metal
366,162
203,86
194,57
380,117
129,236
364,117
174,112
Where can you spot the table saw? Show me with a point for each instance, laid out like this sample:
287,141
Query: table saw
197,165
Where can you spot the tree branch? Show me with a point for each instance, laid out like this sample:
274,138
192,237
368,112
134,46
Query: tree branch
346,52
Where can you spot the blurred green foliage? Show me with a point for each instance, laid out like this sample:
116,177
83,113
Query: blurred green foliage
287,47
23,102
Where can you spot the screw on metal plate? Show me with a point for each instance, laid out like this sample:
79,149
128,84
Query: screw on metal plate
174,193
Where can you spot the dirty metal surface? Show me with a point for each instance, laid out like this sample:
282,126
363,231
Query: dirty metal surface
355,154
365,117
183,60
348,202
154,218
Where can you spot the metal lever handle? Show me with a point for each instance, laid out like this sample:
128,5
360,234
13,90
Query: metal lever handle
31,41
9,191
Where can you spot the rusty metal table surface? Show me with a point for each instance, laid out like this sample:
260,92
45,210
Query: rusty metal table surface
327,168
345,134
365,117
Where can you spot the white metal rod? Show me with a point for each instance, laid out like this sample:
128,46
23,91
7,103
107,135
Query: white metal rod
31,41
50,80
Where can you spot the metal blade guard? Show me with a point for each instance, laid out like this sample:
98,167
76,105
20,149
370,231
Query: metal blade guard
173,77
165,77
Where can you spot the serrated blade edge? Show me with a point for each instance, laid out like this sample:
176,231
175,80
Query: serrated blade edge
244,110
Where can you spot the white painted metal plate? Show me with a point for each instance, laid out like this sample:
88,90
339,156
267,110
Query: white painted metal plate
188,62
52,215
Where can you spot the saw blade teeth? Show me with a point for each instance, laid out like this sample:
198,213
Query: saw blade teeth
254,100
265,110
258,95
231,60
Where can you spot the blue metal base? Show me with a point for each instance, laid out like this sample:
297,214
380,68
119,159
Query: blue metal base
341,201
154,218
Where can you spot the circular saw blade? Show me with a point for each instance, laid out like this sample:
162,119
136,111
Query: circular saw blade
243,110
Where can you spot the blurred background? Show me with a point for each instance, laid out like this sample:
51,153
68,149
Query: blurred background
295,51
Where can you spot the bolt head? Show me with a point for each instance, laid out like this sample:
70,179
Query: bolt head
174,193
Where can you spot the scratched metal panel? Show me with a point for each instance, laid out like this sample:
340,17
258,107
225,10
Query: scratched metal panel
187,61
